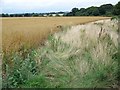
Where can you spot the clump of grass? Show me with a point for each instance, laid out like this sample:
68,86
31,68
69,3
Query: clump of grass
92,65
38,81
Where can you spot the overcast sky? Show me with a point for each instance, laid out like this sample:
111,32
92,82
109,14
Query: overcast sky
41,6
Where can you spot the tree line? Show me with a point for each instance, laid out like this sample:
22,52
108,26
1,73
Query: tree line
33,14
103,10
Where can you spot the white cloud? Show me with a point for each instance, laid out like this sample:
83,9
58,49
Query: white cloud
48,5
29,3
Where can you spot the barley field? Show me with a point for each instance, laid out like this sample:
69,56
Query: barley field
31,32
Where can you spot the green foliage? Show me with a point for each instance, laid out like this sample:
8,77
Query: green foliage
117,9
103,9
18,69
93,11
74,10
38,81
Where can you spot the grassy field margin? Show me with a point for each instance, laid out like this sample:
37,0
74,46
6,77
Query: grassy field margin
61,65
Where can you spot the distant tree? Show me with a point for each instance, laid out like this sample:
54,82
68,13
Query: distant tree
5,15
60,12
69,14
74,10
109,13
11,15
95,12
117,9
27,15
103,9
35,15
92,11
16,15
80,12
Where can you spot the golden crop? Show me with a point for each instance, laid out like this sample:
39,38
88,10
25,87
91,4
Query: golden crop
32,31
